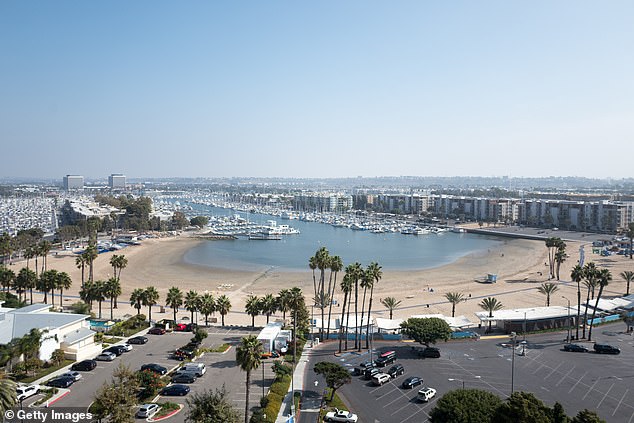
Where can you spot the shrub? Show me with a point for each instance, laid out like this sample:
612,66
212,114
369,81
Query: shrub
273,407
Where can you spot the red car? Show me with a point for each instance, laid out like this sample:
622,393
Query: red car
180,327
156,331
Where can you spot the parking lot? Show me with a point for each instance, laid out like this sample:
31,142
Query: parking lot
221,369
577,380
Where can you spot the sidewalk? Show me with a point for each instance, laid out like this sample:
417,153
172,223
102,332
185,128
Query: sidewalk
298,385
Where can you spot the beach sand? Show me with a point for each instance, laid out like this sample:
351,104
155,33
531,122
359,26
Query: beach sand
520,266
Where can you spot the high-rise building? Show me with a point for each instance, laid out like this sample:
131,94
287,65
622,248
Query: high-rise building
116,181
72,182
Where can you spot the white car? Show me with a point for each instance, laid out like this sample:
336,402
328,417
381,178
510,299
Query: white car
127,347
105,356
147,410
425,394
74,375
341,416
381,378
25,391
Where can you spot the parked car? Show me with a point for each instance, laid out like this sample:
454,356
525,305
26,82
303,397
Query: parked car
426,394
381,378
272,354
396,370
369,374
575,348
362,367
191,327
139,340
106,356
429,352
180,327
85,366
184,377
156,331
127,347
606,349
156,368
74,375
411,382
198,369
115,349
386,358
175,390
147,410
25,391
340,416
61,382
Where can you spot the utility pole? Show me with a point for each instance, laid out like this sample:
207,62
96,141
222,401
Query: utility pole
513,335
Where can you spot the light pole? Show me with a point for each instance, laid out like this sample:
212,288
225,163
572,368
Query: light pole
312,323
514,336
263,393
568,338
524,334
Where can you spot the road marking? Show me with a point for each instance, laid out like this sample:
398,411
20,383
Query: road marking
565,376
553,371
619,404
579,380
539,368
589,390
606,394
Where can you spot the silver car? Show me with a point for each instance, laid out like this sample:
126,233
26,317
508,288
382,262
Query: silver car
106,356
147,410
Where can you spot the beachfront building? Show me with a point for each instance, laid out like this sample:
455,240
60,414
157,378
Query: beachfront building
322,202
73,182
116,181
530,319
66,331
78,209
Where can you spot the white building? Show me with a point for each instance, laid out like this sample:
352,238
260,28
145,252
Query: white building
66,331
116,181
73,182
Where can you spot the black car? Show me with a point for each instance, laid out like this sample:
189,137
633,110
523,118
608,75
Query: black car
61,382
606,349
156,368
429,352
396,370
175,390
115,349
185,377
362,367
85,366
191,327
370,372
385,359
138,340
575,348
411,382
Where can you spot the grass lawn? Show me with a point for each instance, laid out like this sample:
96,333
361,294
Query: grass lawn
43,372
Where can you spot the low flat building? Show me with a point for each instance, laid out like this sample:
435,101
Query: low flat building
530,319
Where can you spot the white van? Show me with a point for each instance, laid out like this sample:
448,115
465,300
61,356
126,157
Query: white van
426,394
198,369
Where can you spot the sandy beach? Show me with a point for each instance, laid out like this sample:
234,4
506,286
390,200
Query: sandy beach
520,266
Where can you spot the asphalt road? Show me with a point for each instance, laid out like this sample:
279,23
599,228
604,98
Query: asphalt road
602,383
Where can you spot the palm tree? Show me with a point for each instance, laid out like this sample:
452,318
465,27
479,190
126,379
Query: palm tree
191,303
268,306
248,357
577,275
46,283
336,265
375,273
150,299
174,299
346,288
296,301
23,281
223,305
604,278
112,289
29,253
62,282
252,307
8,395
118,263
283,303
356,272
136,299
7,276
630,235
590,272
80,262
90,255
628,276
98,292
312,264
548,289
454,298
390,303
44,248
560,257
490,304
323,263
207,306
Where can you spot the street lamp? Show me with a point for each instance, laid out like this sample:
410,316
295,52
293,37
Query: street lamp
263,393
568,338
514,336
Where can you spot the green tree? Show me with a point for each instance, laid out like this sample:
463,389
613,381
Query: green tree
46,283
604,278
559,414
390,303
577,275
490,305
375,274
522,407
26,279
136,299
465,406
192,300
90,255
223,306
335,374
252,307
548,289
116,401
590,274
150,382
628,277
587,416
207,306
62,282
150,299
8,395
426,330
283,303
58,356
336,265
211,407
112,289
7,276
80,262
248,357
630,235
560,257
268,306
454,298
118,263
200,221
174,299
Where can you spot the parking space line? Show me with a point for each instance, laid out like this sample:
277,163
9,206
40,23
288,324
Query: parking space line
565,376
579,380
619,404
589,390
606,394
553,370
539,368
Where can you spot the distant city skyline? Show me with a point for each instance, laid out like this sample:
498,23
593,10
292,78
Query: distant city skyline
307,90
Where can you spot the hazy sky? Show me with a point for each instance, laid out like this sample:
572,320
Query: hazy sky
316,88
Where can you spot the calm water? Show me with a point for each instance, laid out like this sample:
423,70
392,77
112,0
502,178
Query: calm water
393,251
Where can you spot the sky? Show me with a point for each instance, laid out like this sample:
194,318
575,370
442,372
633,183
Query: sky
316,88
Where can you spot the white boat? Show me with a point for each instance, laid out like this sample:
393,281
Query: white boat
420,231
458,229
